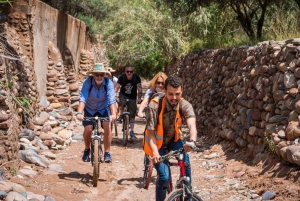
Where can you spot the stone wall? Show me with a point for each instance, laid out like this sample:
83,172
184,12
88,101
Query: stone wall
64,31
247,94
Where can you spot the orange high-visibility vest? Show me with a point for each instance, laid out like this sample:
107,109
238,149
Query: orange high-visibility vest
159,128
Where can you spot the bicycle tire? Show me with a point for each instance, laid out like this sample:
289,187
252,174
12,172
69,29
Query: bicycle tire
148,168
116,128
177,196
96,164
125,130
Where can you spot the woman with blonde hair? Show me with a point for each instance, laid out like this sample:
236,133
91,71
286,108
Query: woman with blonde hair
156,85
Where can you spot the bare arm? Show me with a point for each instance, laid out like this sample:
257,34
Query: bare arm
140,89
152,139
142,107
117,87
191,124
112,116
80,109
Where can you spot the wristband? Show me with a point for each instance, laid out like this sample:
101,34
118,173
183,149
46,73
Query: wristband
77,113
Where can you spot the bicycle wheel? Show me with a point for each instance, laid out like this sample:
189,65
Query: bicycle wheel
116,128
96,163
148,168
125,129
178,196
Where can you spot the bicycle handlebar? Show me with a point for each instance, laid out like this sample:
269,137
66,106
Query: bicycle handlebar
95,119
127,100
176,152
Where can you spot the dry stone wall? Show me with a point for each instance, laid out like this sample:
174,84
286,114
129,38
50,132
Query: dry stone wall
247,94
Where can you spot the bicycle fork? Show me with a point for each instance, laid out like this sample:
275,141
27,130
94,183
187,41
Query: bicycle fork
93,138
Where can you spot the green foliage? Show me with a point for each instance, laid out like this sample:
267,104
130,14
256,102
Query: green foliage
14,171
138,32
6,1
271,143
93,26
25,102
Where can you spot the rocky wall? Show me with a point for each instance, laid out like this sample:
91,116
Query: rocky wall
247,94
67,33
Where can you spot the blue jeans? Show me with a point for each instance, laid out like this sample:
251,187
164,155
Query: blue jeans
163,170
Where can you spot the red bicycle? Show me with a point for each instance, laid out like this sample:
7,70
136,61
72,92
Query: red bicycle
183,186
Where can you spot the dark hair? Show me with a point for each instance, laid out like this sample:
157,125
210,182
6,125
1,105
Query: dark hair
174,81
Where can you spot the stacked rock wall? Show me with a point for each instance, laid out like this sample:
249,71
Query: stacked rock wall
247,94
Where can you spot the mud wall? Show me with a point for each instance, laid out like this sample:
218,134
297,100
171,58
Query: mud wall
247,94
64,31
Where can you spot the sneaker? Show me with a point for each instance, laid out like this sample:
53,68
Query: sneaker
107,157
119,120
132,136
86,155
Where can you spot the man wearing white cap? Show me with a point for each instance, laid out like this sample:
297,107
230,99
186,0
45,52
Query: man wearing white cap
97,97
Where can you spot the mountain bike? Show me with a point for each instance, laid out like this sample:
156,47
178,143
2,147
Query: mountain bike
125,119
183,186
96,146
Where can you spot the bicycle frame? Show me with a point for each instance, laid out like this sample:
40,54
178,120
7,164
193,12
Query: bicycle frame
184,181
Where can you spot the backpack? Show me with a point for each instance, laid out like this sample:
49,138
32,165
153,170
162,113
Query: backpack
105,86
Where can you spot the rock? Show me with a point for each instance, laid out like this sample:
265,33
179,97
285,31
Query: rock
268,195
17,188
32,157
27,133
290,151
49,154
56,105
64,111
40,120
56,167
27,172
44,102
3,194
49,198
74,86
32,196
45,136
46,127
65,134
5,186
14,196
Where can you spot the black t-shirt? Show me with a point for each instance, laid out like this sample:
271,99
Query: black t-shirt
129,87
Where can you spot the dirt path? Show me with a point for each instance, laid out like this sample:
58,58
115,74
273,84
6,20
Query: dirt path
219,172
216,175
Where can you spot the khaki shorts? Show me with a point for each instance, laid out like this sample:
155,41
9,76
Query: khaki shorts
132,107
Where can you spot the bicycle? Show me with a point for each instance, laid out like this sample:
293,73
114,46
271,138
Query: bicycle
125,120
96,147
148,168
183,184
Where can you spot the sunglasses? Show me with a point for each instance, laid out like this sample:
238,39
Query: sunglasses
129,71
160,83
99,74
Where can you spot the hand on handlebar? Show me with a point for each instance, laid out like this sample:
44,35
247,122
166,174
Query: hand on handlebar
140,115
189,146
79,117
155,158
112,117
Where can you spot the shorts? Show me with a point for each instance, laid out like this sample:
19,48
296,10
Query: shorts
87,114
132,107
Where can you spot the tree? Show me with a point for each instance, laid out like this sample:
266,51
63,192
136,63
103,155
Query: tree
249,13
